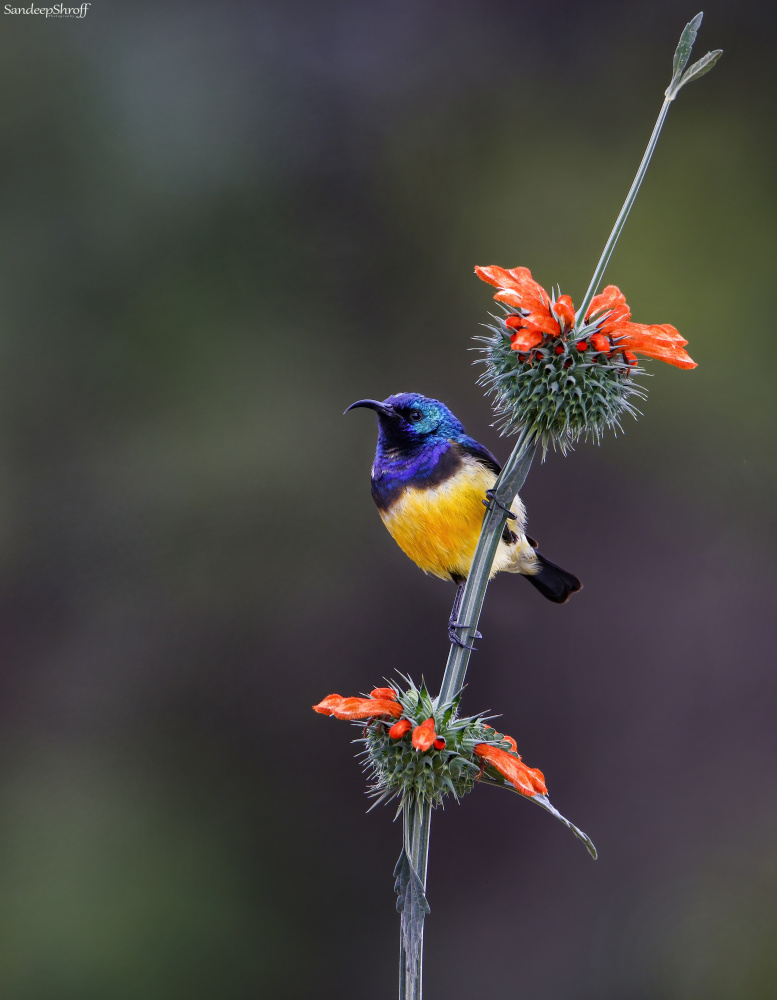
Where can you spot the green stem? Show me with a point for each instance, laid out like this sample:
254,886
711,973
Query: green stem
417,816
416,823
620,222
511,479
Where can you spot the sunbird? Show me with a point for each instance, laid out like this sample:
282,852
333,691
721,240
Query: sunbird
429,480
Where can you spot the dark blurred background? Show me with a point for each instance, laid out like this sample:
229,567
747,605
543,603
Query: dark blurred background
221,224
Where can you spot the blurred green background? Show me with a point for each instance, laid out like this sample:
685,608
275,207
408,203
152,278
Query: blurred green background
221,224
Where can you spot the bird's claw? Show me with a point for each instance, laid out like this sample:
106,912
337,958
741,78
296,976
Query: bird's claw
455,638
493,499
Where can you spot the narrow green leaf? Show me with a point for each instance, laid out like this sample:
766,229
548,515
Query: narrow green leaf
544,803
704,65
683,51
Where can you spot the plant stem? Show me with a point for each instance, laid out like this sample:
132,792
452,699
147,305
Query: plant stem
416,818
416,823
416,815
620,222
511,479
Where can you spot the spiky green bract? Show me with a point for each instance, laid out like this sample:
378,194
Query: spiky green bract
399,770
556,390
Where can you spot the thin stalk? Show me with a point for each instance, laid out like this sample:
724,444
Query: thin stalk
620,222
511,479
416,823
416,815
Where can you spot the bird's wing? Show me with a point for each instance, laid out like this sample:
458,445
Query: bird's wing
472,447
479,451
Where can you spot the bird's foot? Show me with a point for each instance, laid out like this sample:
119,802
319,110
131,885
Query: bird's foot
493,499
452,626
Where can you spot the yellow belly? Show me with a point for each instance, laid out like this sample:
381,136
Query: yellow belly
438,528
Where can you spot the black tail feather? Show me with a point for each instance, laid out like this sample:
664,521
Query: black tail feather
553,582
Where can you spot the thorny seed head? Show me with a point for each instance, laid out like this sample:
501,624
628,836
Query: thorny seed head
563,376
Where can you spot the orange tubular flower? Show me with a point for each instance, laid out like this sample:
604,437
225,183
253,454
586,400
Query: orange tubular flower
522,339
565,310
661,341
539,316
518,289
384,694
399,729
327,705
528,780
357,708
424,735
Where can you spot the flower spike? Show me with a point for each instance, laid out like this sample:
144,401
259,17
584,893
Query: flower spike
429,752
558,380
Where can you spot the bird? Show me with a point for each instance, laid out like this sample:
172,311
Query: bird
429,480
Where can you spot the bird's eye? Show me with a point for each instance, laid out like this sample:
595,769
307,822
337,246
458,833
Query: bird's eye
415,415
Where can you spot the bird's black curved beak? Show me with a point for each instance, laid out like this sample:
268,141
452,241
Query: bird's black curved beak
372,404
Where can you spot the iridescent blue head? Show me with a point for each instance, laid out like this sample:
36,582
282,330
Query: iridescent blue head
409,422
420,444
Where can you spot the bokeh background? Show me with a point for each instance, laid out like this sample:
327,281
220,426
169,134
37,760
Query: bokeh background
222,223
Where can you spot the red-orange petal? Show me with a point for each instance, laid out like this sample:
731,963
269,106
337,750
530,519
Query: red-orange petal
599,342
366,708
511,297
565,310
439,743
517,288
495,275
665,331
610,300
424,735
527,780
659,333
328,704
662,342
518,279
678,358
384,693
524,340
541,319
399,729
